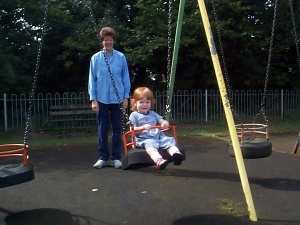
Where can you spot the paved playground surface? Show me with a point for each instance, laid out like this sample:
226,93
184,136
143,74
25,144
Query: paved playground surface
205,190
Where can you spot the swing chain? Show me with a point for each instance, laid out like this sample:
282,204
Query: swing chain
223,61
91,15
295,31
28,126
267,74
169,39
124,117
169,56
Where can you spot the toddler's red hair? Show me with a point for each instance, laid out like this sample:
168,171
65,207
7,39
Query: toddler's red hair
138,94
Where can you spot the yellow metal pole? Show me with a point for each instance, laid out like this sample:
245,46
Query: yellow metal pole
228,112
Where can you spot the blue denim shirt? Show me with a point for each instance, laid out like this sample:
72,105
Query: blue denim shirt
100,85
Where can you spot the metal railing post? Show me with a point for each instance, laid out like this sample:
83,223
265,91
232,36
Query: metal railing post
206,106
5,111
282,104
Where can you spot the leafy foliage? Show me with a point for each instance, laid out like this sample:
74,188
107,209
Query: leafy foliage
142,27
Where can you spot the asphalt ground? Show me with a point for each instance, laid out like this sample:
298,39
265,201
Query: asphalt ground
204,190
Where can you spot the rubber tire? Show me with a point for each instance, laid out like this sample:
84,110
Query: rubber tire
12,174
138,157
253,149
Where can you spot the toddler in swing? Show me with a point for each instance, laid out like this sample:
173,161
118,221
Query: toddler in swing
152,139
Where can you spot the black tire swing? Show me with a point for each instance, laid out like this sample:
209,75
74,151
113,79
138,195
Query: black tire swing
15,173
16,167
253,137
135,157
254,141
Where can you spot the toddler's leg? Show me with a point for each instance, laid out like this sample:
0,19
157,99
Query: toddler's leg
177,156
156,157
173,150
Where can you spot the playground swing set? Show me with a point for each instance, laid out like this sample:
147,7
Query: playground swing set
12,174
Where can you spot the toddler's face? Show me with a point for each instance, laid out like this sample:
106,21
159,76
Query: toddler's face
143,105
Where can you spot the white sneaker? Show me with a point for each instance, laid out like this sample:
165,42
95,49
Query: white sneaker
117,163
100,164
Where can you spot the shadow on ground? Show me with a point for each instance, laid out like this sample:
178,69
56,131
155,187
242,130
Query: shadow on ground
48,216
227,220
277,183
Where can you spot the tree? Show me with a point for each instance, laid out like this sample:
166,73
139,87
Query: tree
142,26
17,39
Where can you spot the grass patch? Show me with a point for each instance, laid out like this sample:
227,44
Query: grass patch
219,129
286,126
59,138
52,138
232,208
15,137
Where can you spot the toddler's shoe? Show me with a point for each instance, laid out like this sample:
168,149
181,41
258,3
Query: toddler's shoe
177,158
100,164
161,164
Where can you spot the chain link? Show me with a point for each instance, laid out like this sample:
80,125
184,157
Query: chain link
169,39
226,75
262,110
124,118
124,115
28,126
169,56
223,61
92,17
295,32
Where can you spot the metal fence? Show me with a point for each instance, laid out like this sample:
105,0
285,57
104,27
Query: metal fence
188,106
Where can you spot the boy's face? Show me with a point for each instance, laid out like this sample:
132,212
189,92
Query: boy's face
143,105
108,43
